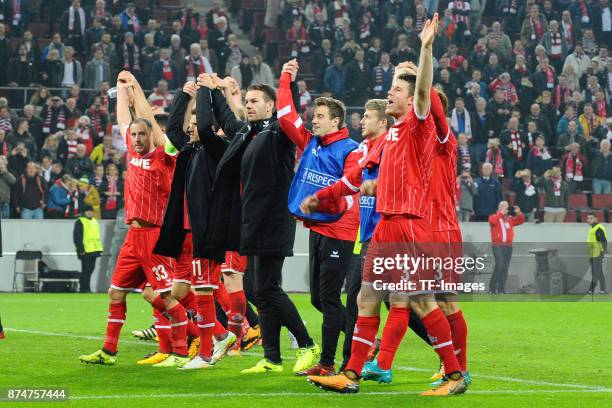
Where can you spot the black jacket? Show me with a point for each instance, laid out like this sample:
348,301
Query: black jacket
194,175
258,222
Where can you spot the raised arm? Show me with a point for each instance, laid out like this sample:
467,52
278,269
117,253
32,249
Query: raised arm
288,118
124,117
204,114
143,110
176,119
222,112
425,69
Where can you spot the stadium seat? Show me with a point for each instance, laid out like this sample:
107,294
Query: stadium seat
273,35
578,201
571,216
602,201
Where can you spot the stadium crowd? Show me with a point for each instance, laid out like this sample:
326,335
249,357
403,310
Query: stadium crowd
529,86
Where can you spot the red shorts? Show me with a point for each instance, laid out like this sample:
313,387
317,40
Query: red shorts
137,264
206,274
448,245
183,271
234,263
398,242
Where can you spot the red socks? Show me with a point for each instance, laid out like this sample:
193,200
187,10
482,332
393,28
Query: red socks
237,312
363,338
440,335
116,318
164,332
179,329
459,331
223,298
206,323
189,303
393,333
218,330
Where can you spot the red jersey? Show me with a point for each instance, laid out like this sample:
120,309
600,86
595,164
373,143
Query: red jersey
406,166
502,228
444,174
147,183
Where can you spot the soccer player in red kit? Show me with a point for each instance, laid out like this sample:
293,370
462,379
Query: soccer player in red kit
147,185
403,200
447,239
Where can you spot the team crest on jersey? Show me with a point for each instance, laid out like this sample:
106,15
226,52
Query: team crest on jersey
315,150
144,164
392,135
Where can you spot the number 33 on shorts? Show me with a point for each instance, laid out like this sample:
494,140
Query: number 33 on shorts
160,273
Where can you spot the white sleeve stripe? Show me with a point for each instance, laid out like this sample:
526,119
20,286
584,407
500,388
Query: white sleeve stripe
349,185
298,122
282,112
349,202
446,138
419,117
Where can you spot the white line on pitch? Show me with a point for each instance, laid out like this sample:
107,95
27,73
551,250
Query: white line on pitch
594,388
320,394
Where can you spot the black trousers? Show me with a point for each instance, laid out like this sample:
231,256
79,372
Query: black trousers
329,261
247,284
88,264
275,307
598,275
502,255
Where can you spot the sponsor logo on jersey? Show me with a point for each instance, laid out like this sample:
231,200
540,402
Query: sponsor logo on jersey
140,162
317,178
392,135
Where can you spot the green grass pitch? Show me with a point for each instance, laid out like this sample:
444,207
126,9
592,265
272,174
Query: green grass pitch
521,354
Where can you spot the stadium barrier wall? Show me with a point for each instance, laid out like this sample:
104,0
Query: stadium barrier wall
54,239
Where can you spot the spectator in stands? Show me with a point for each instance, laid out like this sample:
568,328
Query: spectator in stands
562,92
403,52
93,34
34,125
165,69
514,141
569,137
18,13
305,100
55,44
602,14
499,111
297,36
320,29
354,127
262,74
160,96
495,156
21,134
532,134
60,197
242,73
109,50
21,70
97,70
7,181
51,148
382,75
202,28
504,83
57,171
195,64
54,115
334,79
460,118
539,159
129,19
73,72
72,142
578,60
357,76
568,116
217,39
321,59
502,235
234,55
526,193
466,190
19,159
86,133
602,109
111,192
313,9
88,195
73,25
153,29
214,13
149,55
98,177
602,169
607,132
116,31
30,194
589,122
46,166
100,12
374,53
545,77
589,42
209,54
573,166
556,195
80,165
555,45
131,56
541,122
104,151
5,119
5,52
489,193
533,28
5,147
52,70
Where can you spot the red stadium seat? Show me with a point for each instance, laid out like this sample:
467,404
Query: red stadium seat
571,216
602,201
578,201
273,35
